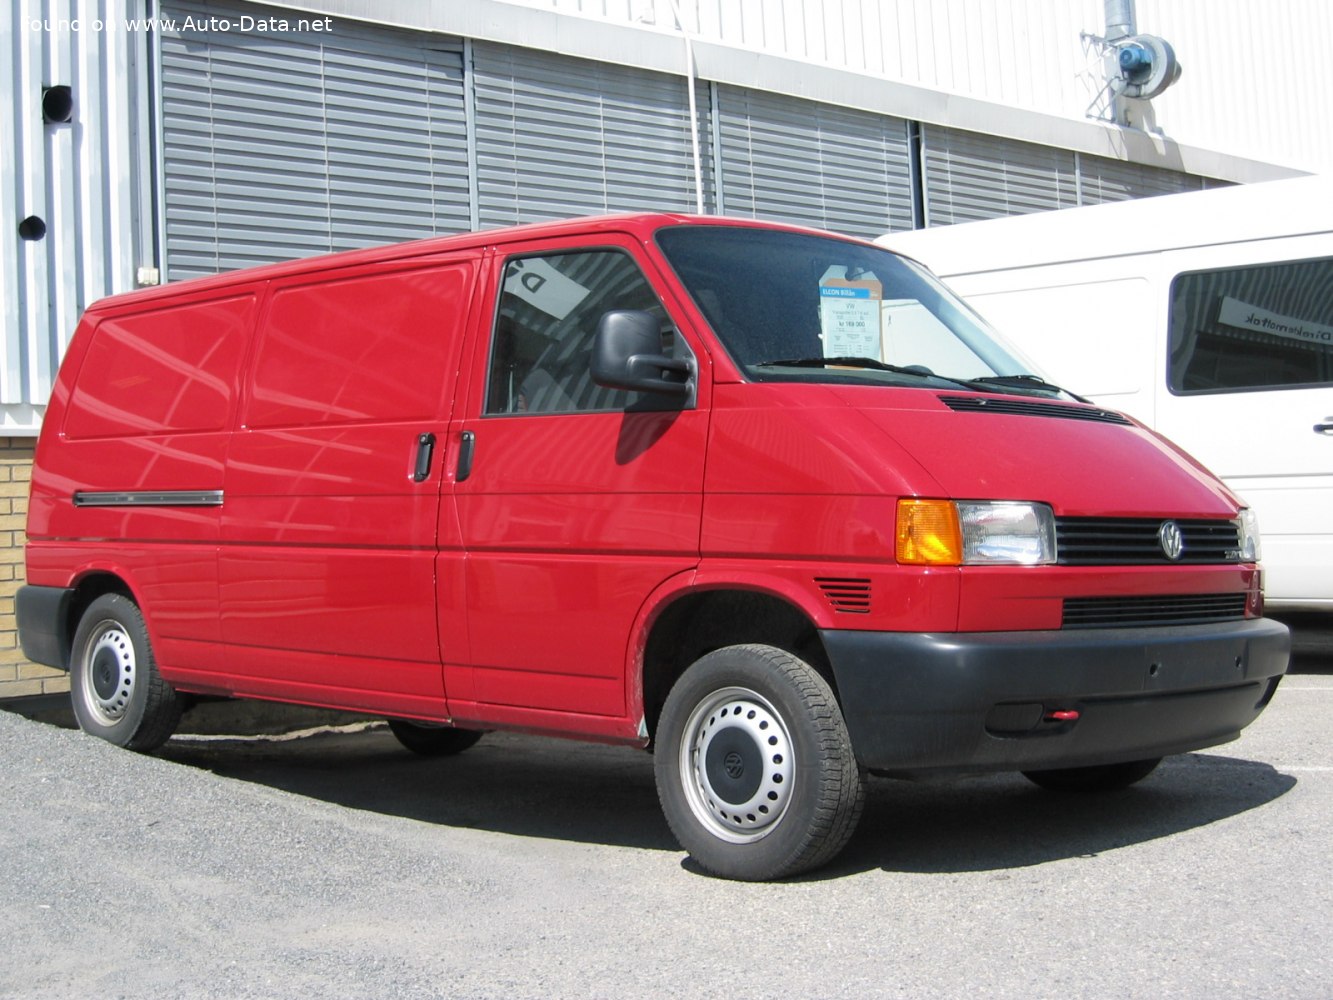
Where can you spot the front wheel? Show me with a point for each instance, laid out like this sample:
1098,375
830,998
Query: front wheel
115,688
1098,778
754,765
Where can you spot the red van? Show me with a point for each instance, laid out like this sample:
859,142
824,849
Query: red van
769,501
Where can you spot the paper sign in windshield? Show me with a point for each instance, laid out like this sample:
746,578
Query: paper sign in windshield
849,318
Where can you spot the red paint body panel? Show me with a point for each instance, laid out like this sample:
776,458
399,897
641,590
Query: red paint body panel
792,439
1067,463
358,558
568,524
327,565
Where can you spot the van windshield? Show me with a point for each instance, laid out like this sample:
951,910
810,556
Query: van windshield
801,307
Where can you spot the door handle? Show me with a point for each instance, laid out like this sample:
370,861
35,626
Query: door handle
466,447
1326,427
425,449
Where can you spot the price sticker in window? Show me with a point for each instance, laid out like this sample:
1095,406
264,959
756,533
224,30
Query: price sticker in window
850,317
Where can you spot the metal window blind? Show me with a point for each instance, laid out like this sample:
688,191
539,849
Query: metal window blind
814,164
559,137
286,144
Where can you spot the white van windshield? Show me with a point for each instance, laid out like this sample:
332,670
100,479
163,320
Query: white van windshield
800,307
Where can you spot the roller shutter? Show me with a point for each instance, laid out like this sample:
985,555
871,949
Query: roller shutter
559,137
1102,180
969,176
282,144
814,164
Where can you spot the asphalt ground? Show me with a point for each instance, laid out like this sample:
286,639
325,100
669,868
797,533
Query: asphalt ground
332,863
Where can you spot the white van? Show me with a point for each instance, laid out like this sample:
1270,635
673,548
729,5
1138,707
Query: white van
1208,316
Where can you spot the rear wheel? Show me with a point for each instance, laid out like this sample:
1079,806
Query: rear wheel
1099,778
433,740
116,690
755,769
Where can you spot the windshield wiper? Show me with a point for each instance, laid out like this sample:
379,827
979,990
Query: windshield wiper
1027,382
917,371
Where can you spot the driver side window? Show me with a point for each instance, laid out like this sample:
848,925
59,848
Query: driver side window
545,323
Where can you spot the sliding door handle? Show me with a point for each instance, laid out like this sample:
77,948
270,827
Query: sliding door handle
425,450
466,447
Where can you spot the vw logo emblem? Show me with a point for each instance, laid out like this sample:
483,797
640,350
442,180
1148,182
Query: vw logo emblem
734,765
1172,541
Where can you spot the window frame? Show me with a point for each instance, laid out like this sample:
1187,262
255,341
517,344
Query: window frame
633,401
1253,265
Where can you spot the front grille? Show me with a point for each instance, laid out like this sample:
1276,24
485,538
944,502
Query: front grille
1132,541
1025,408
1170,609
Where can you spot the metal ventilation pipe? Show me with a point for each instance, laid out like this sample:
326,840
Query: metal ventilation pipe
1120,20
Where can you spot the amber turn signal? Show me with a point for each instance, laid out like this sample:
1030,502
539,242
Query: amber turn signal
928,533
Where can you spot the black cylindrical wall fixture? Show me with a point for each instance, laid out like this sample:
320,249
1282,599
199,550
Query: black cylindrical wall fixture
57,104
32,228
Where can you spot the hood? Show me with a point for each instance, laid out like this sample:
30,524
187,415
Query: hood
1080,459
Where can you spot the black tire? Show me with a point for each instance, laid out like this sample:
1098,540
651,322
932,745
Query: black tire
755,769
1099,778
433,740
116,690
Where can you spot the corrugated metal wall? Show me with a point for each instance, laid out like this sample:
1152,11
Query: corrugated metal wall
1257,77
71,214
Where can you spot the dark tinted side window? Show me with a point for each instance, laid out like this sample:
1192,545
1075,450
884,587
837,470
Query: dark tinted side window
547,317
1263,327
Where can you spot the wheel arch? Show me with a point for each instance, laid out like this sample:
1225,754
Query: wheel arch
87,587
691,623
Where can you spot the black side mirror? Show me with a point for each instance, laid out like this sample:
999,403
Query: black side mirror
627,354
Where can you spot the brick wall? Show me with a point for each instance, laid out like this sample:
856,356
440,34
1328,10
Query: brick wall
17,676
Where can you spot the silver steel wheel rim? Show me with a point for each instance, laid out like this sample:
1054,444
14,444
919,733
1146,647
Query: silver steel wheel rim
108,680
734,730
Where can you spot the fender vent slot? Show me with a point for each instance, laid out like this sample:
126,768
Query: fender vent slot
1024,408
847,595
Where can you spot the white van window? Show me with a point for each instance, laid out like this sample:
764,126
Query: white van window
1263,327
547,317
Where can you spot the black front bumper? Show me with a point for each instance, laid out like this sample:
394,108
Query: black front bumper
1002,700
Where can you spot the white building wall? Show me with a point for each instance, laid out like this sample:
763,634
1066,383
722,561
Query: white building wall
1257,79
79,178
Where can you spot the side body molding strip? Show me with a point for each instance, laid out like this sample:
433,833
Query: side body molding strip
150,498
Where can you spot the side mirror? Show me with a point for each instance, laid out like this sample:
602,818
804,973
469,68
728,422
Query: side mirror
627,354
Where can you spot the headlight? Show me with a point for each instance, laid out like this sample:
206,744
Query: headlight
1247,535
975,533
